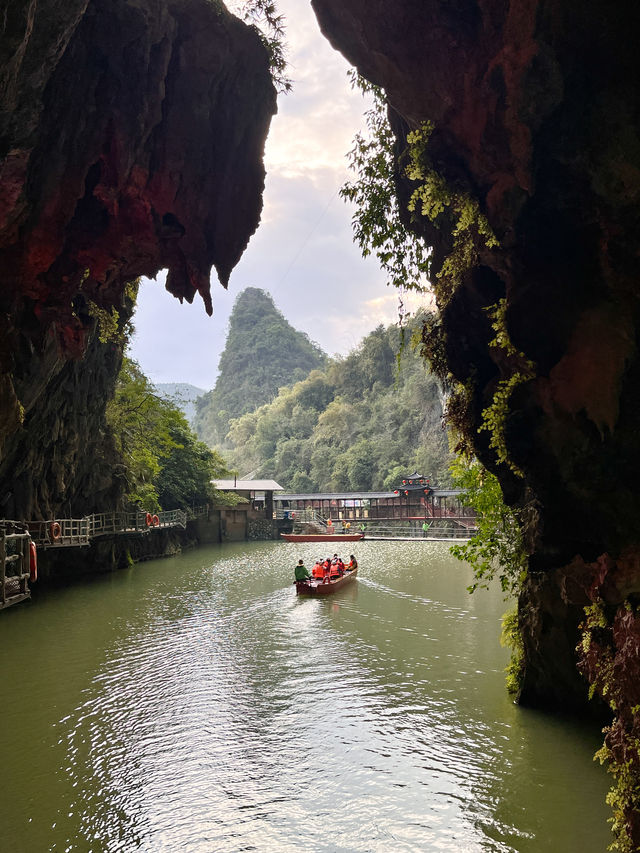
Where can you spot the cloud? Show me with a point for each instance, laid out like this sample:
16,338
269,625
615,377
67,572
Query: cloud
303,252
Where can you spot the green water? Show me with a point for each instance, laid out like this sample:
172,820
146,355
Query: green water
195,704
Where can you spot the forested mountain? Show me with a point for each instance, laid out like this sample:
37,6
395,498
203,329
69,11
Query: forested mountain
262,353
361,423
182,394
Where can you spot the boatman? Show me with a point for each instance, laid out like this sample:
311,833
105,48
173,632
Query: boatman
301,572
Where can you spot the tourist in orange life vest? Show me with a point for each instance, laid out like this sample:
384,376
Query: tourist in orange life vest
353,563
318,570
334,571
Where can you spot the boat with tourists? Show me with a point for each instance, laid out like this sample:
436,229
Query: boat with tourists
317,586
322,537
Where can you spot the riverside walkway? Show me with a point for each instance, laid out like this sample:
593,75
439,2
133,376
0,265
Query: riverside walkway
70,532
20,541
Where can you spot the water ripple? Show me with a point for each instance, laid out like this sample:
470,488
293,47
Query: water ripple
207,708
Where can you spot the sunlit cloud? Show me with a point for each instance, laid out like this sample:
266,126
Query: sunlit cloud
303,252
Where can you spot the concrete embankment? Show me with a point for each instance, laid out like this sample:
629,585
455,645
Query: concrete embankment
121,550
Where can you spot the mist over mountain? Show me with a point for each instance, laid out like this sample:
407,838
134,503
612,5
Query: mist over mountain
183,394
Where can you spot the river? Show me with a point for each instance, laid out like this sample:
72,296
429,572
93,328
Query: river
196,704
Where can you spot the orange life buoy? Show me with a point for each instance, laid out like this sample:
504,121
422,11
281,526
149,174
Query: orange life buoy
56,531
148,519
33,562
156,521
293,515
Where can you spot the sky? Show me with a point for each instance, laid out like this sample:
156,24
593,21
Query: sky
303,252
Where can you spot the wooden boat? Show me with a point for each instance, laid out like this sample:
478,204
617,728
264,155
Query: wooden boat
322,537
317,587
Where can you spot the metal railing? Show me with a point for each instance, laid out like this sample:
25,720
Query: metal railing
298,515
67,532
74,530
14,568
201,511
435,531
303,516
172,518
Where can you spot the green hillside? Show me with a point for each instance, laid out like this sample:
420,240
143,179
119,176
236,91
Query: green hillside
359,424
262,353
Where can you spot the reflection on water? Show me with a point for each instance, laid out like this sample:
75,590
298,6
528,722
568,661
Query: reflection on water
197,704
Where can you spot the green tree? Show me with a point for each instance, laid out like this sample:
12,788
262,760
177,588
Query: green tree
302,483
165,465
361,466
188,468
394,477
497,547
377,221
264,15
351,424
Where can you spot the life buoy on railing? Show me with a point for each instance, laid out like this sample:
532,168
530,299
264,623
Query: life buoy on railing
55,530
148,519
156,521
33,562
293,515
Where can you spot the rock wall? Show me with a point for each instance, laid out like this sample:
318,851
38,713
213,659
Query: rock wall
110,553
61,461
535,114
131,140
259,529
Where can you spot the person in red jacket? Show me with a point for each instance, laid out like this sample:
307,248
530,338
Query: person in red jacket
334,571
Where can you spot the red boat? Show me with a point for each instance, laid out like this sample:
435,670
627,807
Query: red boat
322,537
324,587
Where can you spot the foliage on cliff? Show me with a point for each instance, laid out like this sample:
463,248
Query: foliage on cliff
497,546
377,220
270,23
262,353
165,466
360,424
609,655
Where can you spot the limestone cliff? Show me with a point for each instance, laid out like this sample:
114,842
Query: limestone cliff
535,113
131,140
